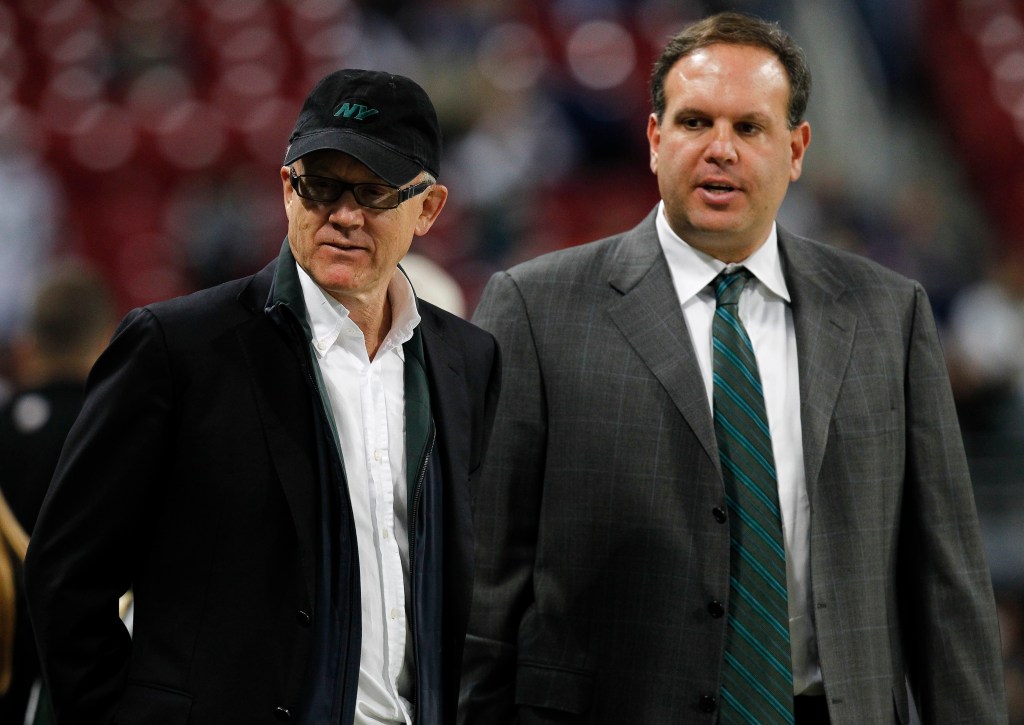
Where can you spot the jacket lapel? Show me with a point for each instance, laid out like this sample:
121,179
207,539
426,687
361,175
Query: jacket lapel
648,315
449,398
280,387
450,406
824,340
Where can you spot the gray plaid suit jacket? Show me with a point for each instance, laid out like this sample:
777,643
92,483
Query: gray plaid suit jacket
598,551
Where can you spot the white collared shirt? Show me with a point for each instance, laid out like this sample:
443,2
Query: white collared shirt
765,311
368,403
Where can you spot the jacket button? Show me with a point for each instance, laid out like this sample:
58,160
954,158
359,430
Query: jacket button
304,618
719,513
715,609
283,714
708,703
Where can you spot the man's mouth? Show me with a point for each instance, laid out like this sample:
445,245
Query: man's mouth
718,188
345,246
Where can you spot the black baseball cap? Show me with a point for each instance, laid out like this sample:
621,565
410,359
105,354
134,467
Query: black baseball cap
385,121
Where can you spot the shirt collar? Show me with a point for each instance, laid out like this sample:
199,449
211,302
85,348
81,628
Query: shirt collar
329,319
693,270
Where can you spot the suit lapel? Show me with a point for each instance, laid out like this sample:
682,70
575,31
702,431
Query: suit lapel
283,399
824,339
450,406
449,398
648,316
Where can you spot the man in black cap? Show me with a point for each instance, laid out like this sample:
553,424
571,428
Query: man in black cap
280,467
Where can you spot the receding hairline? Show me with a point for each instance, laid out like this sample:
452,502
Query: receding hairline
738,29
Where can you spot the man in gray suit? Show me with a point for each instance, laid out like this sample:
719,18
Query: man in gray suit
608,539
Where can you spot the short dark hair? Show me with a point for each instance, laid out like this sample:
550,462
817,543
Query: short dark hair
737,29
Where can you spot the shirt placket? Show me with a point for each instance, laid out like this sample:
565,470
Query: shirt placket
382,486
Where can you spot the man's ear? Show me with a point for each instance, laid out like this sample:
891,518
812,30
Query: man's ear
654,141
433,203
800,139
286,181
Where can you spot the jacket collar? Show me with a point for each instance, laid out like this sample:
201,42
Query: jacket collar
285,289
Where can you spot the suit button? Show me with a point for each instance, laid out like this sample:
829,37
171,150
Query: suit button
304,618
715,609
708,703
283,714
719,513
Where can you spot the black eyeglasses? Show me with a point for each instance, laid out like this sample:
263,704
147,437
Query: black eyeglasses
326,190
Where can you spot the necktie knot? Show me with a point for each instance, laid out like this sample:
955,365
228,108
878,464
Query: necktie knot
729,285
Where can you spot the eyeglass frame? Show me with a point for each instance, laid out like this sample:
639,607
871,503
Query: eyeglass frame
404,193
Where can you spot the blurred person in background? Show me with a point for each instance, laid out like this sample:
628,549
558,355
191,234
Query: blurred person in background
20,684
280,466
30,213
70,321
434,284
985,340
726,483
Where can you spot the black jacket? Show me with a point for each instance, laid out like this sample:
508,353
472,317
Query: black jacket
194,476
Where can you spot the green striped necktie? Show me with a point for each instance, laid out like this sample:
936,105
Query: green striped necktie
757,678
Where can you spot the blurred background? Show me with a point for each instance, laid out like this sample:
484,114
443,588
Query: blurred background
141,139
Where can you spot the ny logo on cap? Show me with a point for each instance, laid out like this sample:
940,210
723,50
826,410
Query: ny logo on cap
361,112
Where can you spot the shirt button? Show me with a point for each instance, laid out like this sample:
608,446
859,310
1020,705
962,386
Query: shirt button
708,703
719,513
376,455
385,534
283,714
394,613
715,609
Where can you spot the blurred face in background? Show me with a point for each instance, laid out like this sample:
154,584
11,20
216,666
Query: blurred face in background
349,250
723,152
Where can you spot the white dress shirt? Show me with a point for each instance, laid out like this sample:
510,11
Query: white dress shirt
368,402
764,308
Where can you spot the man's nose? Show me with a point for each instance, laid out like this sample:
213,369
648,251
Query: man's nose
722,146
346,211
